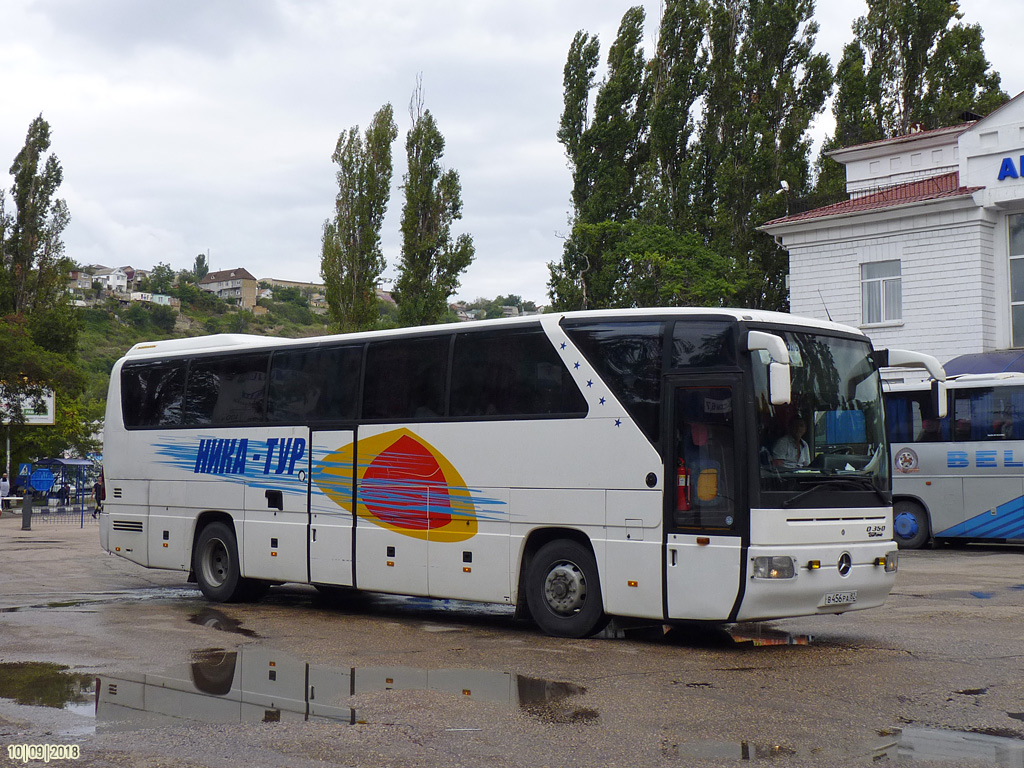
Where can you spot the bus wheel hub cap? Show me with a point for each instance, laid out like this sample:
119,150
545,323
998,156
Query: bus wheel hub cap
565,589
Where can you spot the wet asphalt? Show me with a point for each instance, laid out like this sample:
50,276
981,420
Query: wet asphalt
133,667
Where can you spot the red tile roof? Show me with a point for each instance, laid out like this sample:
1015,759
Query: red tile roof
934,188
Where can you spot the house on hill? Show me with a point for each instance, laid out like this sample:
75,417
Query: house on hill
232,284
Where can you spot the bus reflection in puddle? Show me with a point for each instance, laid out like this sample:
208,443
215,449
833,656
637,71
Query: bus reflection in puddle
256,684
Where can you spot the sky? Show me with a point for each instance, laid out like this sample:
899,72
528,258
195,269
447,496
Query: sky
207,126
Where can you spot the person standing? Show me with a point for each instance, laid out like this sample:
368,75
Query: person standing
98,494
5,491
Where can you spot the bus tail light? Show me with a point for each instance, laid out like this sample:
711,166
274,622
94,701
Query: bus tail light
777,567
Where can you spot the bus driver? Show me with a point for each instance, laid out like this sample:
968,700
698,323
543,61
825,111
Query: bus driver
791,449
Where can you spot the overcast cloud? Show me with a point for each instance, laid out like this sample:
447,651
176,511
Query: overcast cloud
208,125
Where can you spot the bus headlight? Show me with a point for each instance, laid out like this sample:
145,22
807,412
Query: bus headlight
777,567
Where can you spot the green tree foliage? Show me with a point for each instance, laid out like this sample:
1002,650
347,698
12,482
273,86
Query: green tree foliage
677,77
201,268
693,142
606,153
431,262
352,260
161,279
765,88
923,65
38,325
494,308
912,62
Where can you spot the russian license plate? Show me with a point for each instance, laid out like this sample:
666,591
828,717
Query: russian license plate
840,598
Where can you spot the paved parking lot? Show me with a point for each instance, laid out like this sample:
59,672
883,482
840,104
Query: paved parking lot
141,670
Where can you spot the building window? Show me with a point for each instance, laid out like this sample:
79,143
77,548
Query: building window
881,292
1016,227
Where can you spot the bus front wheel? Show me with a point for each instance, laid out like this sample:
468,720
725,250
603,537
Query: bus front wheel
216,564
910,525
563,592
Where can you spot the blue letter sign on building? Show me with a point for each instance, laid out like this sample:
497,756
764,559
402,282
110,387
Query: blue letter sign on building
1007,170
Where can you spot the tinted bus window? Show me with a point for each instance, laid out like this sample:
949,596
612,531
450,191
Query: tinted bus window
152,394
405,378
628,357
703,344
511,373
910,418
988,413
226,390
314,385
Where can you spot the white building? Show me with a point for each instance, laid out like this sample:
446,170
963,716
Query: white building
928,252
113,280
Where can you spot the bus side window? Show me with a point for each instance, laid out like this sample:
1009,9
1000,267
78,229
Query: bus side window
152,394
405,378
314,384
511,373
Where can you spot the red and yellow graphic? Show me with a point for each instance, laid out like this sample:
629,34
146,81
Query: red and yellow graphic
403,484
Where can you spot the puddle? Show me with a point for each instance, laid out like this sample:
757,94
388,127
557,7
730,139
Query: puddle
39,684
919,744
264,685
900,745
758,635
94,599
725,750
211,617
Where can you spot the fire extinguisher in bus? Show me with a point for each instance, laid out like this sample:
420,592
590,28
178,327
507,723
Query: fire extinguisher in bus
682,487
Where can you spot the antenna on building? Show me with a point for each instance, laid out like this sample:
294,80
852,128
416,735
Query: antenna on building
827,313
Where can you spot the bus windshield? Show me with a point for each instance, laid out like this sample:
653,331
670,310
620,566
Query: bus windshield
831,435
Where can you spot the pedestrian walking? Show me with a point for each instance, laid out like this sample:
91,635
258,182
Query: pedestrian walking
99,494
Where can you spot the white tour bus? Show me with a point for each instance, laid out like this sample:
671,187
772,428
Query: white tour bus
578,466
958,477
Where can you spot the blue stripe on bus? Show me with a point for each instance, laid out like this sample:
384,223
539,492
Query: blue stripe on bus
1006,523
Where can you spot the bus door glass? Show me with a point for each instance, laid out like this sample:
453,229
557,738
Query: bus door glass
320,385
703,543
987,422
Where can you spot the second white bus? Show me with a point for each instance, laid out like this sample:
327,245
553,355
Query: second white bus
580,466
958,477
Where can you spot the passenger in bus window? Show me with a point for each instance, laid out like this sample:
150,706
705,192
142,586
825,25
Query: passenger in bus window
791,450
929,431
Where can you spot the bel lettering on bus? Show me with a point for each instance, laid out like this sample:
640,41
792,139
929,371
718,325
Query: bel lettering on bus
983,459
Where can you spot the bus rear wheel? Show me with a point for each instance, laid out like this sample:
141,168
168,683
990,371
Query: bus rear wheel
215,564
563,592
910,525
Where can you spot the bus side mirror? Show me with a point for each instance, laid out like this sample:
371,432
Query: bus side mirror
779,386
939,399
780,390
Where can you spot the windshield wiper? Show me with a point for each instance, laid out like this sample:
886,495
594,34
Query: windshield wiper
862,483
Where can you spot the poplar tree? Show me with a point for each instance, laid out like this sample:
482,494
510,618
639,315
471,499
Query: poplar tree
38,325
911,62
432,262
606,153
351,260
765,89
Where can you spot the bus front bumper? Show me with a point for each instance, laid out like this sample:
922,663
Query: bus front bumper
824,580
